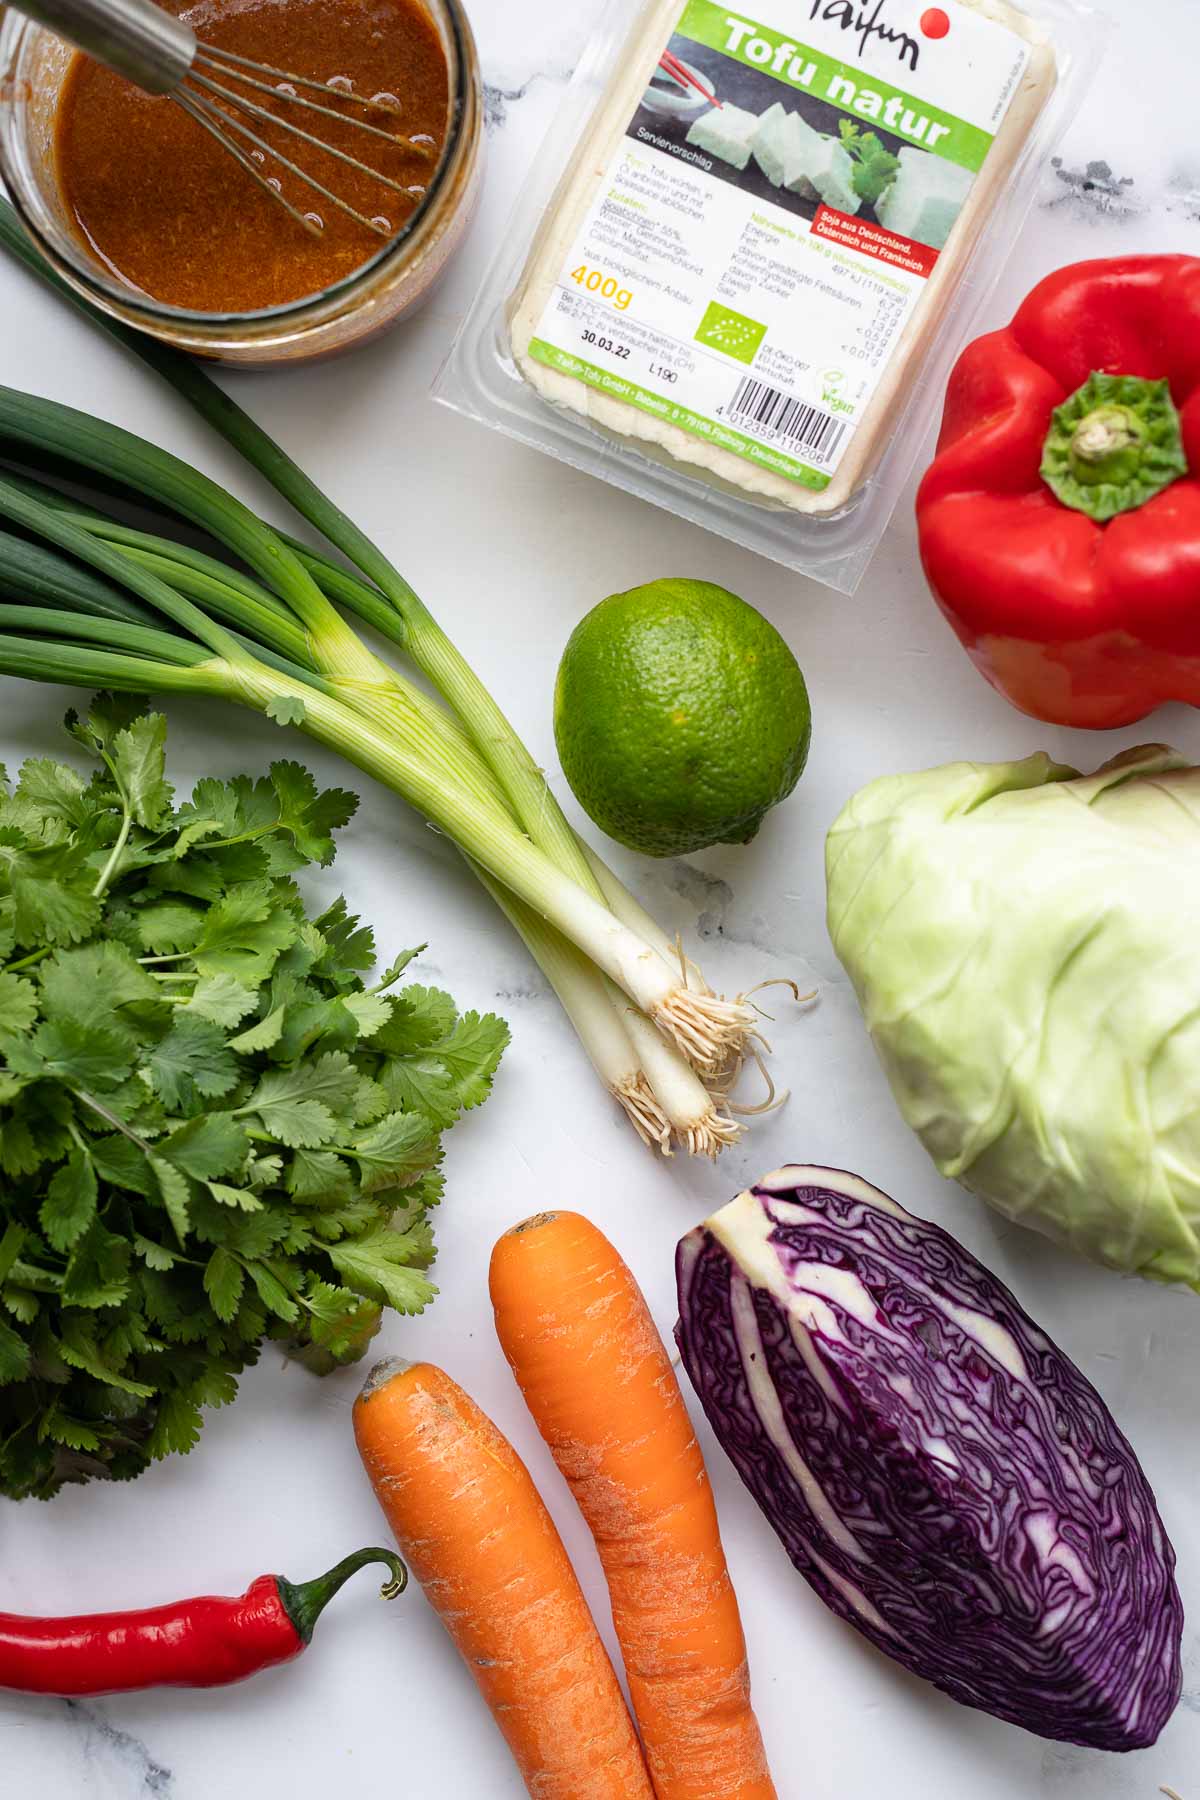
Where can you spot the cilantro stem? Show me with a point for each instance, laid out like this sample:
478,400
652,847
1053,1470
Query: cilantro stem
176,956
111,1118
118,850
27,962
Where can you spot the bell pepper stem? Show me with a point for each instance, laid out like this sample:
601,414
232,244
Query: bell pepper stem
1114,445
1103,440
305,1601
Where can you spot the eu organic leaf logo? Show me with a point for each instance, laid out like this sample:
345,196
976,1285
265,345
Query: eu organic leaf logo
730,332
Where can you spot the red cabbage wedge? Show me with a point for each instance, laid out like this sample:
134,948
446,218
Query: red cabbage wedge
937,1469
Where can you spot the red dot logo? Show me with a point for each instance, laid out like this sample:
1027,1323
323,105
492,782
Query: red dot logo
935,23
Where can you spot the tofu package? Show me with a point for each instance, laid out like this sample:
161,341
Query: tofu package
671,312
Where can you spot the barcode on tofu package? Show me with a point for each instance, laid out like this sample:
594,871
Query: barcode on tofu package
756,247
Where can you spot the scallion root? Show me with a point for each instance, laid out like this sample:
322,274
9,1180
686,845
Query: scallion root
711,1135
644,1113
708,1029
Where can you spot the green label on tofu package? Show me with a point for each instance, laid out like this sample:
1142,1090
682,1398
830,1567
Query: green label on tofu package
765,228
800,67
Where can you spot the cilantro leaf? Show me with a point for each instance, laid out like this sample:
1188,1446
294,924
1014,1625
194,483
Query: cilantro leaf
341,1326
224,1279
420,1084
244,933
346,947
370,1012
18,1003
319,1175
15,1355
212,1145
386,1265
243,1198
311,818
395,1151
190,1064
139,763
262,1036
471,1055
223,999
296,1123
54,790
85,1055
286,709
394,970
106,716
97,1272
122,1163
176,1195
78,1348
298,1105
229,809
52,895
92,983
272,1292
176,1426
70,1203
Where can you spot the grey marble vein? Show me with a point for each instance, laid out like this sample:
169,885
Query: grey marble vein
497,100
105,1745
1095,190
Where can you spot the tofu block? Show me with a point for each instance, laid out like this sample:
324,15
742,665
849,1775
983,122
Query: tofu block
784,146
926,197
727,132
829,173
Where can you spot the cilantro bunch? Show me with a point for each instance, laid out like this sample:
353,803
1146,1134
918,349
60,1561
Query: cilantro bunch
211,1130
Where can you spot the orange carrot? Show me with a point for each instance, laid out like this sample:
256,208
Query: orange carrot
596,1377
477,1537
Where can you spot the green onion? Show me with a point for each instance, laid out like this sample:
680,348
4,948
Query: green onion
273,639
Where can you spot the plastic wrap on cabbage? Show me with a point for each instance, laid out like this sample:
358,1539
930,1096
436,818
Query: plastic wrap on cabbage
940,1472
1024,946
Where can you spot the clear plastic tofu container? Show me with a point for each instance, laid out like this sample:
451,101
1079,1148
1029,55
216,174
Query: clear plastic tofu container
755,241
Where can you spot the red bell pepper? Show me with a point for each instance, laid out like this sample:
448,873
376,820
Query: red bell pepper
1060,521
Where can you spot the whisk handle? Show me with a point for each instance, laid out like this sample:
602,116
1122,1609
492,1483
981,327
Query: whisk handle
149,47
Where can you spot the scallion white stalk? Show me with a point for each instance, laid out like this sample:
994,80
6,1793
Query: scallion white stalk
703,1027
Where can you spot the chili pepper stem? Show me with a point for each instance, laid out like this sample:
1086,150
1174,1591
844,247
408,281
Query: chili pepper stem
305,1601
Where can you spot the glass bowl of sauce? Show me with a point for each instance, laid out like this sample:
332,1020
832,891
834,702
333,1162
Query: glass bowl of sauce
141,211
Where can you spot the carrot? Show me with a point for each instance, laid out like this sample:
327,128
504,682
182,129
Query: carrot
477,1537
596,1377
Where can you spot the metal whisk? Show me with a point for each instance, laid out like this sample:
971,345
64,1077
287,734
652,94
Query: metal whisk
162,55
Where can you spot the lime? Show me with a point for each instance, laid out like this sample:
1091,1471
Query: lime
681,717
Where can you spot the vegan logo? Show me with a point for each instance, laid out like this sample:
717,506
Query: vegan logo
730,332
868,25
831,391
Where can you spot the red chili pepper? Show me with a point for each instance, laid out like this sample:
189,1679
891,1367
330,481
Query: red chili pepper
1060,521
205,1642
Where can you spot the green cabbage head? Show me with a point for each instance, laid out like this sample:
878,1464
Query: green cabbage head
1025,946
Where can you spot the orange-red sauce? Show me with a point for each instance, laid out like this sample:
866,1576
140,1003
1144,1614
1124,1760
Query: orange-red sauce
171,213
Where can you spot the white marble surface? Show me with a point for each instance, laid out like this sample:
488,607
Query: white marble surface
511,549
